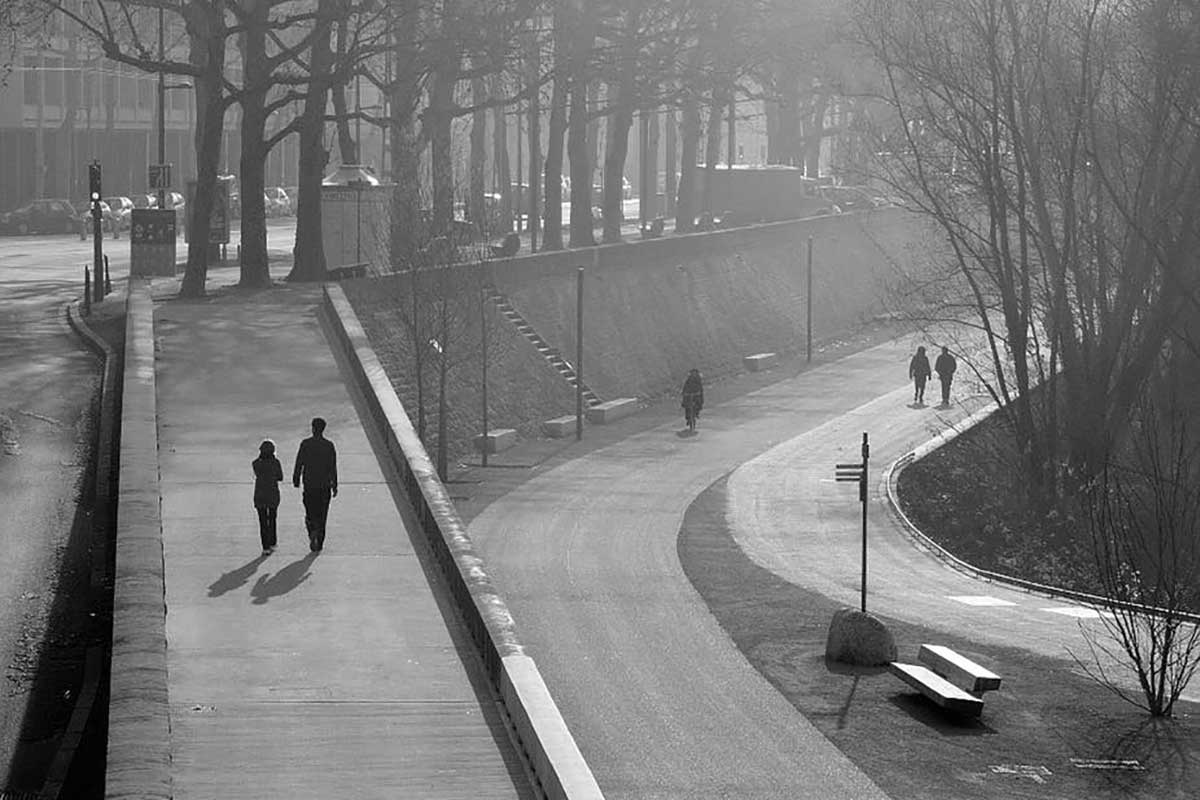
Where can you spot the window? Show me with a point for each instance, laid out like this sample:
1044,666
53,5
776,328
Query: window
128,89
91,88
32,79
146,88
74,81
54,81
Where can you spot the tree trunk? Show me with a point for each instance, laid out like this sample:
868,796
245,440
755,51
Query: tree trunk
535,146
712,147
255,267
689,151
206,30
503,170
439,116
308,263
476,208
614,164
553,233
581,166
347,145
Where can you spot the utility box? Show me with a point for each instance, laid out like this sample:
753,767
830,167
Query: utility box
152,242
355,219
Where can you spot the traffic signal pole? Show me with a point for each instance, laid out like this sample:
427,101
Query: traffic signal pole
94,194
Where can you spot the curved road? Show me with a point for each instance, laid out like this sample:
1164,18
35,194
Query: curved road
662,703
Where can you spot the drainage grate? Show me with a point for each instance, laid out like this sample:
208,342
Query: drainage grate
1130,764
11,794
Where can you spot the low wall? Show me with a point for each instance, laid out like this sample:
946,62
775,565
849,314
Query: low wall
553,755
653,309
139,724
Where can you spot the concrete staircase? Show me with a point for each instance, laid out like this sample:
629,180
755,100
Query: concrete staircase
552,355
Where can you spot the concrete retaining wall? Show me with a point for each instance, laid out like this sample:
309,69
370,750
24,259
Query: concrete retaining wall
553,755
139,724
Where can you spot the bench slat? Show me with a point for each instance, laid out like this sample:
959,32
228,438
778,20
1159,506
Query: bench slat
937,689
958,669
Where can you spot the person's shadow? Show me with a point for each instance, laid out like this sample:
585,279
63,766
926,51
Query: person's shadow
235,577
283,581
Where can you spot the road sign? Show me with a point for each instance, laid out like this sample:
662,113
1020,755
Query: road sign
857,473
160,176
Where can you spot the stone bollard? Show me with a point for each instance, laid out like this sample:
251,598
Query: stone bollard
856,637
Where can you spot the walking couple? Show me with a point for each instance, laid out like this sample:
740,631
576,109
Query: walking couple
919,372
316,467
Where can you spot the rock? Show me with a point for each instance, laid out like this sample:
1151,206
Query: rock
856,637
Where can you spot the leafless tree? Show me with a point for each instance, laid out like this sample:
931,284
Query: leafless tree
1143,512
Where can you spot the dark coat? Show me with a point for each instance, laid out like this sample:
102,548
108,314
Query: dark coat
693,388
945,366
918,368
316,464
268,472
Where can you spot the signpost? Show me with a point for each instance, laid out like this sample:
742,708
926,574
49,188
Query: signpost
160,176
851,473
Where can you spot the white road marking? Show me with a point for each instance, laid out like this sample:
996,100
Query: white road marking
979,600
1079,612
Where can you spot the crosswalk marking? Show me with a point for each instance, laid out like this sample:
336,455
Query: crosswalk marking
1079,612
979,600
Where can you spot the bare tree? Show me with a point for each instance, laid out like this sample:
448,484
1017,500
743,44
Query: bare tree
1143,512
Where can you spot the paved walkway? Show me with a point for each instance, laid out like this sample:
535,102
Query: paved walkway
300,675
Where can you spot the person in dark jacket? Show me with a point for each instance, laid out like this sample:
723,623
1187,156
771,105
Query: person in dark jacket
316,465
945,367
268,472
692,397
918,370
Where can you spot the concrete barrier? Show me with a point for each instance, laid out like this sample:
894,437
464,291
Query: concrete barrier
552,754
760,361
496,440
611,410
559,427
139,720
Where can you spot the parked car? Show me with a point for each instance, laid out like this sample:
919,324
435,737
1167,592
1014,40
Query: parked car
108,220
850,198
39,216
278,202
145,201
122,209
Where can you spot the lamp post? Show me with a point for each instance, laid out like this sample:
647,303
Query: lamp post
162,114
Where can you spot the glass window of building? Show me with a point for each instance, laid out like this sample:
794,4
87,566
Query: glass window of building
31,77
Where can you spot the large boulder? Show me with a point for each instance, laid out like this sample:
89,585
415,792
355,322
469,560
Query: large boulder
856,637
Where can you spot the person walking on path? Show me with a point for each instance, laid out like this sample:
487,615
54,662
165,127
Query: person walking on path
693,398
945,366
316,465
918,370
268,472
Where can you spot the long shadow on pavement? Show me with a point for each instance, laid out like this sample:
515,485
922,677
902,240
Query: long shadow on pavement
283,581
235,578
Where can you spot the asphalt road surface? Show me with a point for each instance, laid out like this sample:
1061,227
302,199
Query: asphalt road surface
47,385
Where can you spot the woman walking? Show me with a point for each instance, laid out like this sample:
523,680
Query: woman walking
268,472
919,371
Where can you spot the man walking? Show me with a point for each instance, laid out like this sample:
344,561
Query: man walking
944,367
316,464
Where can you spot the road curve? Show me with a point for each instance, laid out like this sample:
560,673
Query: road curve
661,701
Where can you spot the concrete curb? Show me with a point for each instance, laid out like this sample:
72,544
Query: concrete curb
59,772
139,727
890,480
550,749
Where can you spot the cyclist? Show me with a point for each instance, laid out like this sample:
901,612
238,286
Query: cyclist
693,398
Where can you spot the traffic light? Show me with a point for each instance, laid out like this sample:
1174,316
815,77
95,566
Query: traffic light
94,181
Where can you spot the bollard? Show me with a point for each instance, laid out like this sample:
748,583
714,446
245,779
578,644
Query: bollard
107,278
87,291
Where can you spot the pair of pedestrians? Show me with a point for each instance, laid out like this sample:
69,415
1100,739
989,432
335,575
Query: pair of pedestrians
919,372
316,467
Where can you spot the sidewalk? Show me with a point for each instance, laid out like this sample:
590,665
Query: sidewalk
301,675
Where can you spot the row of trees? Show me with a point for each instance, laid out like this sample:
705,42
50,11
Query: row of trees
571,63
1056,145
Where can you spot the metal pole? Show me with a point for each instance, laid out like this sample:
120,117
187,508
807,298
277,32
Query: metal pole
484,339
862,492
579,354
162,113
808,314
97,253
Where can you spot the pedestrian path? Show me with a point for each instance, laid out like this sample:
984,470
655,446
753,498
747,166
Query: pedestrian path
298,674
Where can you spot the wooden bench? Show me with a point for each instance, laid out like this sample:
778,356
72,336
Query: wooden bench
949,679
